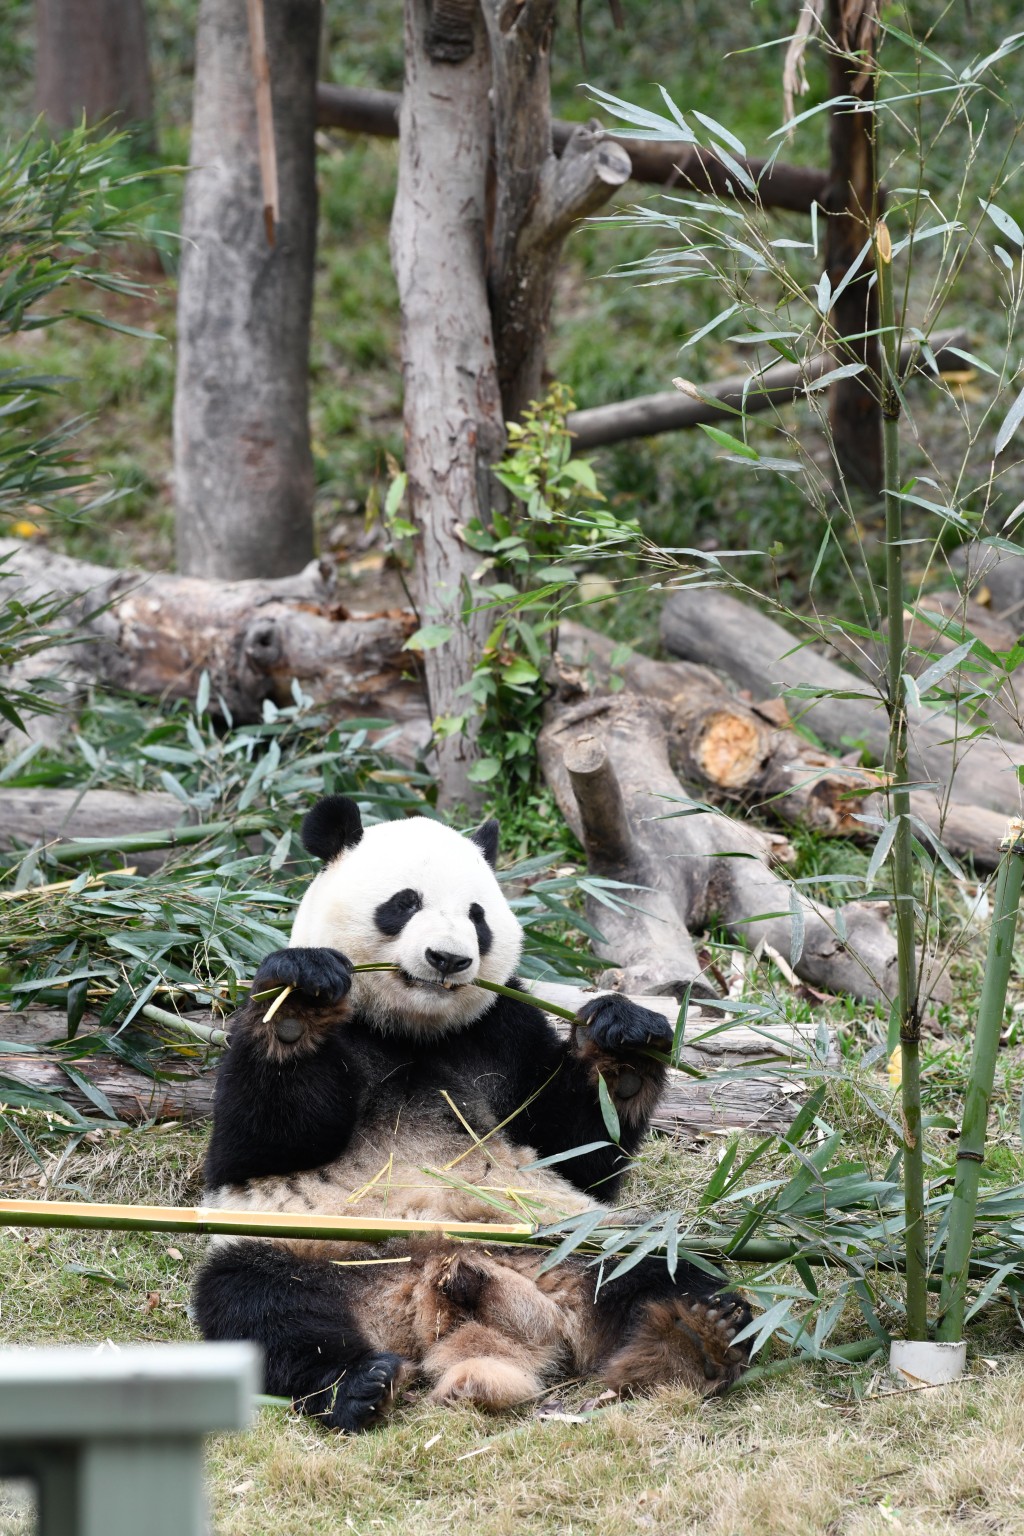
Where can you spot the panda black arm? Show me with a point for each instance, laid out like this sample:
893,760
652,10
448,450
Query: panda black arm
288,1088
557,1083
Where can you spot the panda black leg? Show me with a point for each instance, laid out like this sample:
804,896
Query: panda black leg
301,1314
358,1397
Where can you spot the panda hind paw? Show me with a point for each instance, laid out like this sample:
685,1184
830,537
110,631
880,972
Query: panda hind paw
360,1396
683,1339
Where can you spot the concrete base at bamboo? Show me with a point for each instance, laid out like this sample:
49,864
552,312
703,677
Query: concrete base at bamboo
920,1363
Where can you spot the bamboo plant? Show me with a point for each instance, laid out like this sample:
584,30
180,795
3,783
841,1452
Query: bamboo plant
971,1149
907,1007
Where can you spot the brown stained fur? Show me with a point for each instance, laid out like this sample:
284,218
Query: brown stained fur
634,1085
315,1021
677,1341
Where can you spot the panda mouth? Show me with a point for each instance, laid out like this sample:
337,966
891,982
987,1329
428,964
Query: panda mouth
420,983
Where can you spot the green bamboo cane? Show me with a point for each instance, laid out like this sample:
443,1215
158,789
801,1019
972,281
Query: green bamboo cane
971,1152
897,764
81,848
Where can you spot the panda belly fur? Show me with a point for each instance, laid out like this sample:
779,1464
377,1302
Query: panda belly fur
413,1094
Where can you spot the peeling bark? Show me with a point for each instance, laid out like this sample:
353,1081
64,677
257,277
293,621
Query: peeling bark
454,428
157,634
242,460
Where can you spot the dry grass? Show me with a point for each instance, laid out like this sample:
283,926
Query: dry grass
833,1451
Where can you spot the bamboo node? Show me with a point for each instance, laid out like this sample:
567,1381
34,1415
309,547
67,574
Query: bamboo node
1013,842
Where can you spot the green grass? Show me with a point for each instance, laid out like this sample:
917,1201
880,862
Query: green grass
831,1448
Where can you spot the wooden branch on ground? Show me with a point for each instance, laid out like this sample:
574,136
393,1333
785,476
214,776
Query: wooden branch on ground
669,411
709,867
30,816
675,164
735,751
155,634
750,753
712,626
761,1100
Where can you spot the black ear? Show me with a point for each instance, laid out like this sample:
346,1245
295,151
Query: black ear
486,839
333,825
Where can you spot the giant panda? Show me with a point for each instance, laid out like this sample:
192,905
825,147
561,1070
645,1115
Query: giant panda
412,1093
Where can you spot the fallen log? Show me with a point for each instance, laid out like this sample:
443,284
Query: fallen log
749,753
355,109
155,634
669,411
734,750
712,626
762,1098
708,867
30,816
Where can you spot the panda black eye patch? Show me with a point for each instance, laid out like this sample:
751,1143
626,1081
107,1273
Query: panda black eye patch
392,915
484,936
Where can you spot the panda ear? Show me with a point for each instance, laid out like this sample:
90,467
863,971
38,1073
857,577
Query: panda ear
333,825
486,839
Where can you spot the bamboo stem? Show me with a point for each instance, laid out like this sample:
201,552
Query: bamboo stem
96,1216
861,1349
897,765
204,1032
85,1215
81,848
971,1150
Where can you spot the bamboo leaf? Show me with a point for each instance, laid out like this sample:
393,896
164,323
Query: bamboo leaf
726,440
609,1114
1003,221
1011,422
946,664
882,848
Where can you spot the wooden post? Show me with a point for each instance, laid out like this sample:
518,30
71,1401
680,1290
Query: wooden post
851,202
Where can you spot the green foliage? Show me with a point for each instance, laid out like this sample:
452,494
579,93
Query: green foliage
770,297
84,928
523,571
57,216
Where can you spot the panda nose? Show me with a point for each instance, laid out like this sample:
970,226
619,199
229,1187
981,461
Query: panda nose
446,963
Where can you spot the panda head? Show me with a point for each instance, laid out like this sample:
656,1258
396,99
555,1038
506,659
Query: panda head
416,895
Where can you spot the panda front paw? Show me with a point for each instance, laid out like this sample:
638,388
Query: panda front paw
319,976
616,1025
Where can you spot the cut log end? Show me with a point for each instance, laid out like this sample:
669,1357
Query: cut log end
729,750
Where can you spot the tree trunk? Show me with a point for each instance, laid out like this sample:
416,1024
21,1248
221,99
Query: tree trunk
454,429
92,62
538,197
243,465
157,634
855,412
